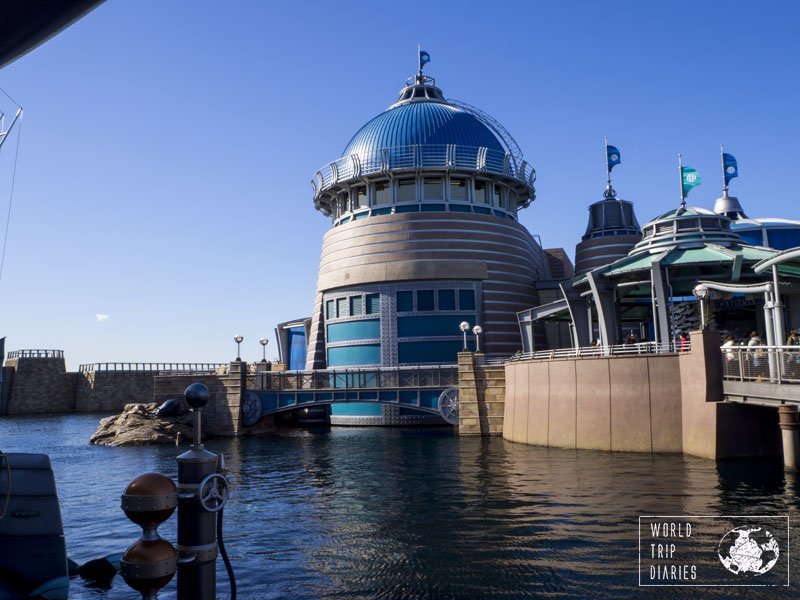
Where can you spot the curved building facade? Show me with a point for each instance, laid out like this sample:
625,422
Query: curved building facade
610,234
424,205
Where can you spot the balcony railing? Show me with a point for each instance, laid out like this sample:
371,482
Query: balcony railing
36,353
604,351
435,376
769,364
147,367
434,156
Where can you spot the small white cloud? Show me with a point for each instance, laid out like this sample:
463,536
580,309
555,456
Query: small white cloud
101,317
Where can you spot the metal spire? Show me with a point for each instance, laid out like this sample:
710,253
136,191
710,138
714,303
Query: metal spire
609,193
680,179
724,179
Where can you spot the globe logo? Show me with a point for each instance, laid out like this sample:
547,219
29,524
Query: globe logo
691,177
748,551
614,157
731,169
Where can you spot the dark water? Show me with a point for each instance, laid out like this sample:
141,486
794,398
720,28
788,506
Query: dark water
394,513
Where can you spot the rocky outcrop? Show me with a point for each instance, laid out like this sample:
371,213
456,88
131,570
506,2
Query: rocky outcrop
139,425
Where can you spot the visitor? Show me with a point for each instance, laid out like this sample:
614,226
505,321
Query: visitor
684,342
755,359
731,368
792,355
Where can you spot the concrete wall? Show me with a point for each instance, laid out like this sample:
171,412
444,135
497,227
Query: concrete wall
110,391
481,396
41,386
615,403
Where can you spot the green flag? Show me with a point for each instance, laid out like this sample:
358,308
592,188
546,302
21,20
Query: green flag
689,179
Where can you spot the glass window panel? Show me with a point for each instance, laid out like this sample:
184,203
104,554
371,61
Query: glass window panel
373,304
425,300
480,192
497,196
330,310
405,301
447,299
433,188
406,190
341,307
466,299
513,200
356,305
360,200
382,193
458,189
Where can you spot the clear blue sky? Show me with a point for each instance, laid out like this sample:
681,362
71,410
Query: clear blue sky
167,146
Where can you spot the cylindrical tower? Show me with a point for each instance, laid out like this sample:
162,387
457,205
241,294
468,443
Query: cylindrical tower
611,232
424,205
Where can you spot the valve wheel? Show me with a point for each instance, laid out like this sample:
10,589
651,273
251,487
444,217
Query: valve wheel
448,405
214,492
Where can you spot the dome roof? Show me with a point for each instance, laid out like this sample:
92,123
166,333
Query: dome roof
424,123
686,228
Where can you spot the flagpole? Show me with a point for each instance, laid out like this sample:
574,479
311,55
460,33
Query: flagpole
680,176
724,181
419,60
608,169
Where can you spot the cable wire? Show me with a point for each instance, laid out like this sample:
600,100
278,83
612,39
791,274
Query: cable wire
225,559
11,196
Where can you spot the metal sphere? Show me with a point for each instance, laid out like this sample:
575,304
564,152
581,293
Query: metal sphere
149,565
197,395
263,341
238,339
150,499
477,330
464,326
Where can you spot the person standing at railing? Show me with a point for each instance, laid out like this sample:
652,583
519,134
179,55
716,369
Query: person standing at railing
730,357
683,342
754,355
793,355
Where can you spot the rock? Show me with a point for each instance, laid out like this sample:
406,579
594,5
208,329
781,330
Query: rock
139,425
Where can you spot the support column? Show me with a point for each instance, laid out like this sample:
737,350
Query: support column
603,296
578,313
789,420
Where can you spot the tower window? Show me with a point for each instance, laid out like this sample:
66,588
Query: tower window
466,300
360,198
330,310
433,188
356,305
458,189
447,299
341,307
480,192
497,199
405,301
406,190
382,193
419,93
373,304
425,300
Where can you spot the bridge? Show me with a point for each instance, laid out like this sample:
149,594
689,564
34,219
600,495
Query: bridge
430,389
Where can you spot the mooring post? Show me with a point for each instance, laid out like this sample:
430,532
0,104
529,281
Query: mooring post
202,491
789,420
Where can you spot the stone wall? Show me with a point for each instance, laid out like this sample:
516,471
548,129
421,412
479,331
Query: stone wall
41,385
481,396
110,391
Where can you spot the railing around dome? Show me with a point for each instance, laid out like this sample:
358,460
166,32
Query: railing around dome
434,156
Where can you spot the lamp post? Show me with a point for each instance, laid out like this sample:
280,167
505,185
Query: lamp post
477,330
263,341
238,339
464,327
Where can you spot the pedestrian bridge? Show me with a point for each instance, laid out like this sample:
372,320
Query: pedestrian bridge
761,375
421,388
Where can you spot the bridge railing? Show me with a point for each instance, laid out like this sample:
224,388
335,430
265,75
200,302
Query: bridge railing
36,353
771,364
147,367
604,351
433,376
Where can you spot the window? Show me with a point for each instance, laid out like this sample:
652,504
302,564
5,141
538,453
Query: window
419,93
458,189
359,197
480,192
356,306
425,300
341,307
466,299
433,188
497,199
373,304
513,200
330,310
382,193
405,301
407,190
342,200
447,299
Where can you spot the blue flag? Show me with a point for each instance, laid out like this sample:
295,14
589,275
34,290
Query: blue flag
424,58
612,157
730,167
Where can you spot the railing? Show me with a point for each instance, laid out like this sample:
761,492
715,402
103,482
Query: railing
599,351
144,367
772,364
435,376
422,156
35,353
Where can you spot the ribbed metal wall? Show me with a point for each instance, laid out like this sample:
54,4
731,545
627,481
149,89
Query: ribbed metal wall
436,246
601,251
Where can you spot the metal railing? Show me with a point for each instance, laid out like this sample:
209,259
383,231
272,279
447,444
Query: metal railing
145,367
435,376
771,364
36,353
442,156
604,351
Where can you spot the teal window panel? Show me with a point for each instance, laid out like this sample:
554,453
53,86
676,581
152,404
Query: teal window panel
482,210
381,211
441,352
388,396
344,221
447,299
466,299
425,300
305,398
429,398
405,301
369,329
424,326
460,208
407,209
362,215
373,304
433,208
408,397
357,409
347,356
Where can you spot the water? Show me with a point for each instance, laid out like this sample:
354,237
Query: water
397,513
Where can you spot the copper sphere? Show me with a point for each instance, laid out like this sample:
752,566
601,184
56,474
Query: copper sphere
150,499
149,565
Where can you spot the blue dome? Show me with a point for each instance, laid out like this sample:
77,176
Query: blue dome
424,123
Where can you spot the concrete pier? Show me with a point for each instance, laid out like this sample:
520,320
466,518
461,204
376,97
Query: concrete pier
789,420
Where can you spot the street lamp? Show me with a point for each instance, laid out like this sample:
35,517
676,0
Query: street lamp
464,327
263,341
238,339
477,330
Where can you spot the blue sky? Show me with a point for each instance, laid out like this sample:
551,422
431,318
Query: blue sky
167,146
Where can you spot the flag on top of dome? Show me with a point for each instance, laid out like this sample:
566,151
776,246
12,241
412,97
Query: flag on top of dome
613,157
729,167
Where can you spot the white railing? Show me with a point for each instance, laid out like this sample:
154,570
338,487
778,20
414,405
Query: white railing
434,156
427,376
768,364
604,351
